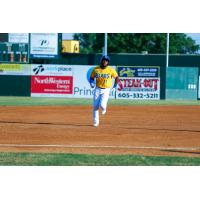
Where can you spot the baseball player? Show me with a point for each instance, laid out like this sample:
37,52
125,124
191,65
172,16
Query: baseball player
101,77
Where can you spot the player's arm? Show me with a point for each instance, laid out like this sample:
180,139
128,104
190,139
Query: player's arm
92,83
116,77
116,82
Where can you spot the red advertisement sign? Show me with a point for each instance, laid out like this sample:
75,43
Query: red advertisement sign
52,84
134,83
138,82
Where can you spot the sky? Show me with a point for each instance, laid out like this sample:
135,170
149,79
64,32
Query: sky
67,36
195,36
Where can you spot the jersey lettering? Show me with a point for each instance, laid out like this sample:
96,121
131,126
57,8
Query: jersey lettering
102,75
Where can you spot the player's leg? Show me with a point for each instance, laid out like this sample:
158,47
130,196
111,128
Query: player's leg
96,101
104,100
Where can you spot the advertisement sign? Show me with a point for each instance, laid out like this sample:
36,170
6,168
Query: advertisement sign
62,80
70,46
54,70
82,89
43,45
199,89
138,83
51,86
18,37
15,69
51,80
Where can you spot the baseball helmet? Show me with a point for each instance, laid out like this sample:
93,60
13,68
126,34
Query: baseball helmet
105,57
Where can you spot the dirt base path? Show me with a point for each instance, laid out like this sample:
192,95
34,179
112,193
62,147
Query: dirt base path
146,130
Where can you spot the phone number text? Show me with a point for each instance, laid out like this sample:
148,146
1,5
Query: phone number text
138,95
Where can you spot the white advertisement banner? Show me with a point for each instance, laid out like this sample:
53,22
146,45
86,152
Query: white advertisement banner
18,37
82,89
44,45
51,70
79,83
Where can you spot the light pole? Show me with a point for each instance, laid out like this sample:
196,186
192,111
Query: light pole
105,44
167,51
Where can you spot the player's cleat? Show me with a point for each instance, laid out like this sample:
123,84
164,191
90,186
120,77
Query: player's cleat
96,124
103,112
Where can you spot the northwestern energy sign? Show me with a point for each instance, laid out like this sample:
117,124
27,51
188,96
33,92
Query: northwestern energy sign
51,85
51,80
138,83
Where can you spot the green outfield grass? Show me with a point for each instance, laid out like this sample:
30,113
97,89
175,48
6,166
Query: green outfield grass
41,159
36,101
61,159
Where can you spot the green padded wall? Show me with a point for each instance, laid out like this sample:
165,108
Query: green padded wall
182,83
15,85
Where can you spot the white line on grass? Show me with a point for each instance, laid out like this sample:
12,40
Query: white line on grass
100,146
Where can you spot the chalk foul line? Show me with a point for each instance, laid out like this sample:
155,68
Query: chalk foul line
100,146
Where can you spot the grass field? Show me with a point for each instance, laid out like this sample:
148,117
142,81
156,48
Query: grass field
41,159
31,101
61,159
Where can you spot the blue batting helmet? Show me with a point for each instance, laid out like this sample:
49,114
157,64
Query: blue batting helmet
105,58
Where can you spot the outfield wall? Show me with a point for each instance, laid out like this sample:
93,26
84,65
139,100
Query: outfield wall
182,83
15,79
15,85
72,81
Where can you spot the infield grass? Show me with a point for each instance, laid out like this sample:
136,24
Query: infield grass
37,101
61,159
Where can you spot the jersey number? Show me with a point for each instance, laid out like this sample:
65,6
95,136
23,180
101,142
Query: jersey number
105,81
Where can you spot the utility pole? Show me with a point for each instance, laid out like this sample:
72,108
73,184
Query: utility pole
167,51
105,44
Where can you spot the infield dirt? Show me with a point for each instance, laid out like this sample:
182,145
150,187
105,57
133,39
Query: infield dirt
144,130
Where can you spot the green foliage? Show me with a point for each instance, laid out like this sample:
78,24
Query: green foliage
154,43
90,42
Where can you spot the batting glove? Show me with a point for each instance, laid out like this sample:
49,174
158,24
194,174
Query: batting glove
115,86
92,85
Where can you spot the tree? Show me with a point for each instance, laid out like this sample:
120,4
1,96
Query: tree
90,42
137,42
